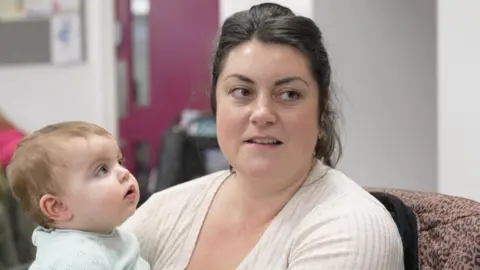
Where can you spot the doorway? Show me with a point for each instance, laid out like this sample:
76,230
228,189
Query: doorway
163,55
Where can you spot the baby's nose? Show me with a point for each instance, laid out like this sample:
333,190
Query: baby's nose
124,175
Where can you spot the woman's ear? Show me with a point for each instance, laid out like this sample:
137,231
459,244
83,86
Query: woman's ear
54,208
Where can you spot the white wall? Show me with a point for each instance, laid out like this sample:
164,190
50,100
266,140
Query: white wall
459,97
34,96
384,57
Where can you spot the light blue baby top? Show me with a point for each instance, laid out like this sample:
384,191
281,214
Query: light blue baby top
77,250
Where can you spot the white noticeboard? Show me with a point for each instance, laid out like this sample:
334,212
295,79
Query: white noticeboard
38,8
65,38
66,5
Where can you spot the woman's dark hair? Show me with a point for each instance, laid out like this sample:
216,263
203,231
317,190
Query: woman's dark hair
273,23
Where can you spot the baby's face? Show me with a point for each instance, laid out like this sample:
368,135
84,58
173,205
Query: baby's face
100,193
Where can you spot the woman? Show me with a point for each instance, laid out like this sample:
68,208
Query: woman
282,205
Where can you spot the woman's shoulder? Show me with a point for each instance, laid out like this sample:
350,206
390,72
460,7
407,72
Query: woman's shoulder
351,234
337,196
329,186
344,199
344,217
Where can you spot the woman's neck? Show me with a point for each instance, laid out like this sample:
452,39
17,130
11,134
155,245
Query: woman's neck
262,199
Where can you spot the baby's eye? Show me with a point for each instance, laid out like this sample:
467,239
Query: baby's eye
121,161
102,171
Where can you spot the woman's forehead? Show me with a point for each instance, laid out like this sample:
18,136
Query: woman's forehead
264,60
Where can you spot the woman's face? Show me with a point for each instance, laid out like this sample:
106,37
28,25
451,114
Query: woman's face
267,109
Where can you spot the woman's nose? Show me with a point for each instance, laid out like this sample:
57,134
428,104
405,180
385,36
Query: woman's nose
263,112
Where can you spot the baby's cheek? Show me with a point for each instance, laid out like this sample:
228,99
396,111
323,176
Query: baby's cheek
103,195
111,197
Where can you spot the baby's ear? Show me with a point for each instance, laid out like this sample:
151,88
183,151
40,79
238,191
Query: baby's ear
54,208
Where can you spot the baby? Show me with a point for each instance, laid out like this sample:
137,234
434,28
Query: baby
70,179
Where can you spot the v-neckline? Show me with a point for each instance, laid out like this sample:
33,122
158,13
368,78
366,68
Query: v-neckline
199,219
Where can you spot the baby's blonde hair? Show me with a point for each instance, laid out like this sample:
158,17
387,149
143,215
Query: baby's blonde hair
35,165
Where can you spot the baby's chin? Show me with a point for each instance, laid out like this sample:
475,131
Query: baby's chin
111,226
126,217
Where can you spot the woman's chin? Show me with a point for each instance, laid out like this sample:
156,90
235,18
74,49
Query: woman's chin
258,168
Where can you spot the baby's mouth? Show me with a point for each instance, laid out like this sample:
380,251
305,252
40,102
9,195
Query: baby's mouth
130,191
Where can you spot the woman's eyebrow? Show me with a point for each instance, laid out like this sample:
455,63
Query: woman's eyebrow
289,80
277,83
242,78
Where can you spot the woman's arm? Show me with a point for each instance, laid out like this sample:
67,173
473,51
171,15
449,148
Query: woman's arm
362,237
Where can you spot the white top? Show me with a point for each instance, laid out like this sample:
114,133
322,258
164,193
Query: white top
330,223
77,250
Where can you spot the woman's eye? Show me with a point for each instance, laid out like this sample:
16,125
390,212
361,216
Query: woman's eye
102,171
290,95
241,92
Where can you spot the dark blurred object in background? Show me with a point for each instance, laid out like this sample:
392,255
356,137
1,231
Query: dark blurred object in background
188,149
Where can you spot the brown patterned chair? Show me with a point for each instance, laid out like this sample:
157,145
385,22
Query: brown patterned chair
448,229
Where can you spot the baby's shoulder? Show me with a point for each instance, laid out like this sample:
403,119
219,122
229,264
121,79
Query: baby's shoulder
71,251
